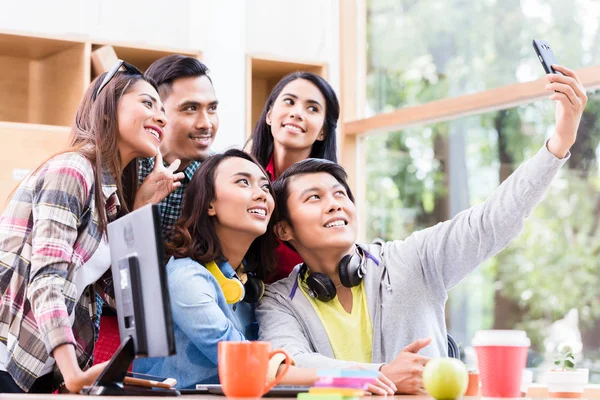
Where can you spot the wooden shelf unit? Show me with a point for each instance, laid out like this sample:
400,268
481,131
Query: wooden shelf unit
24,147
142,56
262,74
42,81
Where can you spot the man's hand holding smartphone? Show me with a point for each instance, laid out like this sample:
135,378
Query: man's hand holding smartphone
571,99
569,93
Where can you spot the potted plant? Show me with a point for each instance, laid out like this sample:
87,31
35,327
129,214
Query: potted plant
565,380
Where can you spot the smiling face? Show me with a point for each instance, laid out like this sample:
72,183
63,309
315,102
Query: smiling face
141,120
321,214
193,121
297,116
242,203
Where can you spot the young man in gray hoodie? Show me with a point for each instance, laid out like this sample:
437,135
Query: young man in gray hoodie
381,305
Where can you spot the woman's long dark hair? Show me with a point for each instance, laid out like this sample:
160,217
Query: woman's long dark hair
262,138
194,233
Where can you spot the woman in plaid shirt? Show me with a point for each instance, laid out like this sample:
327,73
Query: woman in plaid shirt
53,251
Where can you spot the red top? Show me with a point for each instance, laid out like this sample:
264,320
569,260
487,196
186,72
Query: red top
287,258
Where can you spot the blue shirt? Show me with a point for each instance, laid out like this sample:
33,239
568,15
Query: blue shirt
202,318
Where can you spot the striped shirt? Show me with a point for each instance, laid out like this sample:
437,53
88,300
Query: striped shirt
170,208
47,232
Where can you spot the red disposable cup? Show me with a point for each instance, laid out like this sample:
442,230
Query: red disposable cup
501,358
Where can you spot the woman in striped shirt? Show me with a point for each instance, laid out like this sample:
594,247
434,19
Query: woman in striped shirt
53,250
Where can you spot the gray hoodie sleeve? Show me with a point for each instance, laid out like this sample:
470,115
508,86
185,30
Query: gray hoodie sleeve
445,253
279,326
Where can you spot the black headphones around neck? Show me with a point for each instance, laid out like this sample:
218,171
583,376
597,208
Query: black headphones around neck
351,271
254,289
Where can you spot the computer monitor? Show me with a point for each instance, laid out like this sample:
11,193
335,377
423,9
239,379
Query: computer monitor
141,296
140,282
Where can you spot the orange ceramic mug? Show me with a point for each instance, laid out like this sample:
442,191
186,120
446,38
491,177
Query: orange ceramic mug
243,368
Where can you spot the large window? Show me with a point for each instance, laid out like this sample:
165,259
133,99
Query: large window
424,175
420,51
548,280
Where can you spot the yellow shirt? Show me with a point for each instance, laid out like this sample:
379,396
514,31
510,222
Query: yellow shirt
350,335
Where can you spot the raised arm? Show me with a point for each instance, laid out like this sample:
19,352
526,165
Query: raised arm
447,252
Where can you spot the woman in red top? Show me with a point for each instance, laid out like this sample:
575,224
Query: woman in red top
298,121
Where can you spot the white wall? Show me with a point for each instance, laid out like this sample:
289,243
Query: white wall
60,16
158,22
227,30
224,30
304,30
219,31
301,30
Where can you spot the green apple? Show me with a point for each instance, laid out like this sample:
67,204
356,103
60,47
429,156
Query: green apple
445,378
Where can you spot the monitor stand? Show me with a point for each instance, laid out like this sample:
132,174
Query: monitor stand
110,381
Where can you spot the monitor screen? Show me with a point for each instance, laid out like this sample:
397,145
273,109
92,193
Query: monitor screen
140,281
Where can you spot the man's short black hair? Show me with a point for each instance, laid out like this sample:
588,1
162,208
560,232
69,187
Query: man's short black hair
167,69
308,166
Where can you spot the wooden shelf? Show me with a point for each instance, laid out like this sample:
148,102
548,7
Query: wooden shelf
263,73
142,56
41,79
23,45
25,147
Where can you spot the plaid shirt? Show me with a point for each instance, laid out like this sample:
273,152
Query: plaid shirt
47,232
170,207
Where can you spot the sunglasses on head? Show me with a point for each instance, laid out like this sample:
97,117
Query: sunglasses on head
129,69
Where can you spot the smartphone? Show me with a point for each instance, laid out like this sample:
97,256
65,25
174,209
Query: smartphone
546,56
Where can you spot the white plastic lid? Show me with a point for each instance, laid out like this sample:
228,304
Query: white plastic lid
501,338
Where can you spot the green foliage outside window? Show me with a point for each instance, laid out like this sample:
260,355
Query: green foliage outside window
420,51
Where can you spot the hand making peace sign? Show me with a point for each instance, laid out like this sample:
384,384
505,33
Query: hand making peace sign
161,182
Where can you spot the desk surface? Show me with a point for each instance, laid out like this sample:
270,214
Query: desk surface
11,396
8,396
